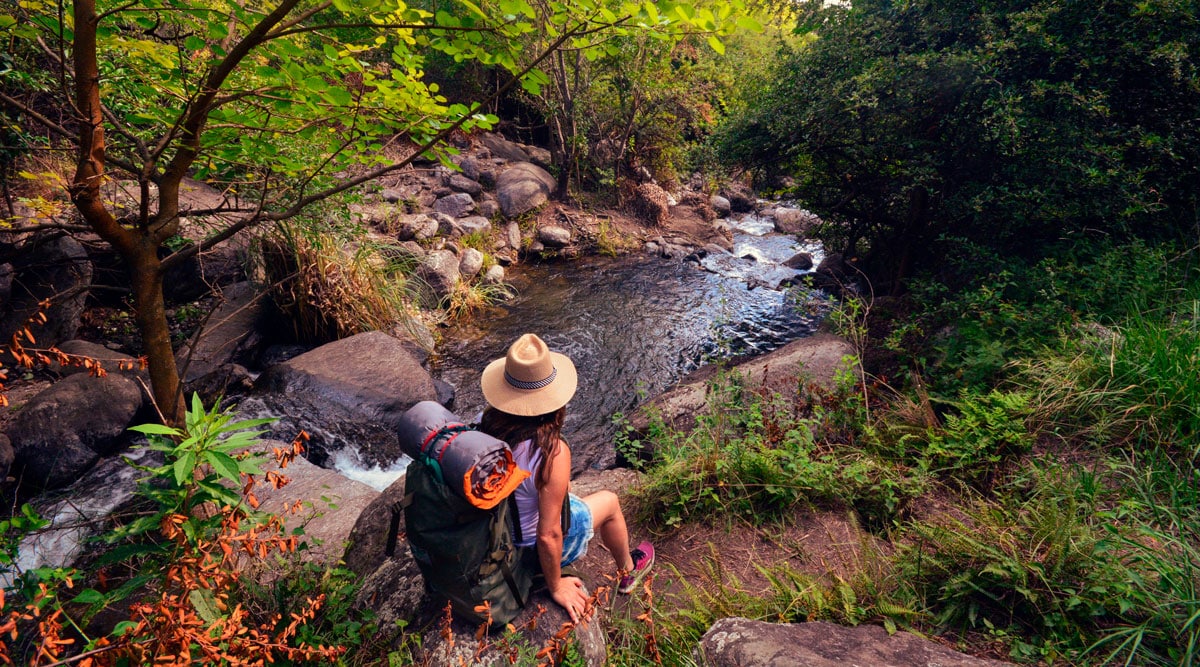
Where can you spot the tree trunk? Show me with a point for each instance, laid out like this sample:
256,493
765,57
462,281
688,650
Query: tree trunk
137,246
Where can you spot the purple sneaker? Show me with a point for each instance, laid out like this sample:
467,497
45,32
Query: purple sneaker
643,560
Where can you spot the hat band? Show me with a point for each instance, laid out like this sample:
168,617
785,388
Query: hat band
521,384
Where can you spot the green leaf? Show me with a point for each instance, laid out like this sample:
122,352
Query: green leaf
748,23
88,596
184,467
205,603
194,43
223,464
716,44
156,429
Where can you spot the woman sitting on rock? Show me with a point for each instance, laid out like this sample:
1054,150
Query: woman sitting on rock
527,392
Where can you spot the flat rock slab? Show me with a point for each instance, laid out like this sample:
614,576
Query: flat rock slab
814,359
739,642
332,504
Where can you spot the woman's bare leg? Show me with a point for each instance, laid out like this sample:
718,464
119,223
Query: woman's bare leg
609,523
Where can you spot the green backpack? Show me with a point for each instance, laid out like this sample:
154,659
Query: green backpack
466,554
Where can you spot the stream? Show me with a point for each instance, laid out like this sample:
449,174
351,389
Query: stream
633,325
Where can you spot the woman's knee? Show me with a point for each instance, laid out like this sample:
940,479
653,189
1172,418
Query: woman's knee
605,506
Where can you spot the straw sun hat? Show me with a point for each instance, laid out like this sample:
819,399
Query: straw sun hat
531,380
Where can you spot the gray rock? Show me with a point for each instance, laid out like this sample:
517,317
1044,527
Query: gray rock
741,202
512,236
794,221
416,226
393,195
494,275
554,236
739,642
47,267
366,543
503,148
456,205
470,263
536,246
446,225
720,206
489,208
62,431
460,183
473,225
801,261
652,247
439,274
714,249
7,456
442,191
229,335
540,156
523,187
352,390
470,168
394,589
538,623
488,177
336,504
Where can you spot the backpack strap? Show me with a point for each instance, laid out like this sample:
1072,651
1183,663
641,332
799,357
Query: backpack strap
393,536
512,583
516,518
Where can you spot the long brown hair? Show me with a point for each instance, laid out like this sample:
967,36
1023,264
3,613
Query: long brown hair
544,430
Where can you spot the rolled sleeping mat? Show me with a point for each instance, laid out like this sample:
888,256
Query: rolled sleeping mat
420,422
475,465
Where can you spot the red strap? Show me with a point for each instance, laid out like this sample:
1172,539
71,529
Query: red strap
453,428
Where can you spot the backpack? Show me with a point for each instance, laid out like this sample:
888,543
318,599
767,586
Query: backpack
467,553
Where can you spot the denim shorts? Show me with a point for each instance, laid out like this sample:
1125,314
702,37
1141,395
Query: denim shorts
576,540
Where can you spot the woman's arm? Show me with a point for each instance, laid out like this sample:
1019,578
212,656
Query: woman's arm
566,591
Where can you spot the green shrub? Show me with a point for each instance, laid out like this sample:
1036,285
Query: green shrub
1045,573
760,457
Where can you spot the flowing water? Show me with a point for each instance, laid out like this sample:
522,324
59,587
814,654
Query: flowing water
635,325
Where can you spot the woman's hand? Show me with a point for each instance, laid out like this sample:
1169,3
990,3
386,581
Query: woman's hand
570,596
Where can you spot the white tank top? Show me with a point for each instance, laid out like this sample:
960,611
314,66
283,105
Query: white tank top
528,458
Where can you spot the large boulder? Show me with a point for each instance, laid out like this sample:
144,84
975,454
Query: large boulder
349,392
50,267
537,626
229,335
471,262
815,359
416,227
475,224
503,148
523,187
7,456
739,642
80,351
64,430
794,221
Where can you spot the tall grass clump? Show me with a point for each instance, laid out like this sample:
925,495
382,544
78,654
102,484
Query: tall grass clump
330,289
1161,623
1044,573
1135,386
